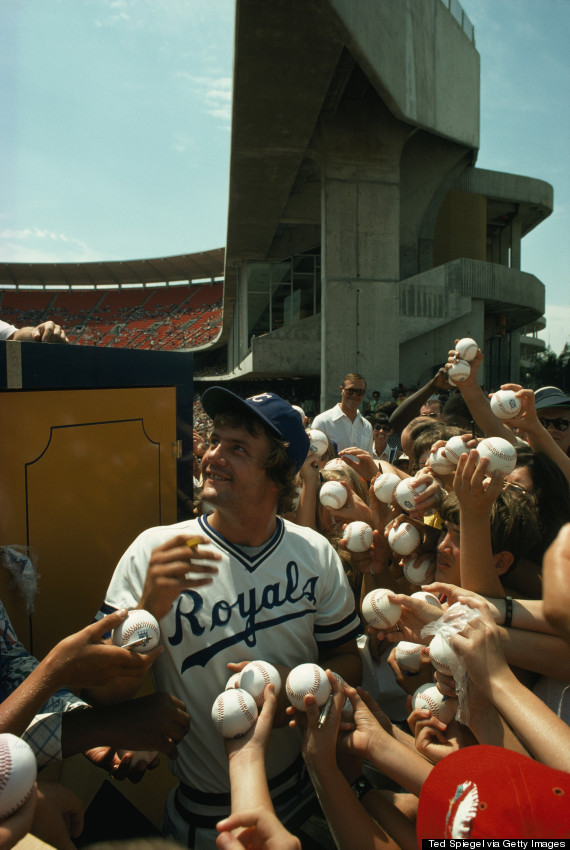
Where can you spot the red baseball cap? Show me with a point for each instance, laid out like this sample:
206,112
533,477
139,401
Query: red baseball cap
491,792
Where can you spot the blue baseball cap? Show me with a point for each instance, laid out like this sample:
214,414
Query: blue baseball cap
276,413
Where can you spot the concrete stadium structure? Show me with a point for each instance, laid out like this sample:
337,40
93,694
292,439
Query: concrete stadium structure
360,234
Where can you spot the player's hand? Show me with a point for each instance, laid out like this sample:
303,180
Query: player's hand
260,830
176,566
82,660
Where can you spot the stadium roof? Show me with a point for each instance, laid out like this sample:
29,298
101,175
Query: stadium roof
203,266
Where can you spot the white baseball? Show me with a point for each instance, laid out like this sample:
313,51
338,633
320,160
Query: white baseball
428,696
417,570
502,455
18,771
459,371
454,448
408,656
427,597
233,681
234,712
318,441
505,404
142,757
139,625
441,655
358,536
467,348
385,485
403,538
255,676
333,495
378,611
307,679
441,464
405,493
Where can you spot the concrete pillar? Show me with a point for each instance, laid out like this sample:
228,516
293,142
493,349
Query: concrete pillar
359,151
516,243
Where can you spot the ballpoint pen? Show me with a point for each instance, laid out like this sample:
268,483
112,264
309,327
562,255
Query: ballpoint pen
325,710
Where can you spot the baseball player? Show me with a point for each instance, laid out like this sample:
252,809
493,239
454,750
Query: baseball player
255,587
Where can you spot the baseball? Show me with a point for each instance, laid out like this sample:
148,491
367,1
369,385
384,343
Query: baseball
358,536
138,626
440,464
408,656
458,371
378,611
454,448
234,712
441,655
333,495
430,598
502,455
405,493
233,681
403,538
505,404
417,570
467,349
385,485
307,679
18,771
255,676
318,441
428,696
140,757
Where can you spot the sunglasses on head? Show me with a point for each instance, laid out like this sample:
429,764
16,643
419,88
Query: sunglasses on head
353,391
559,424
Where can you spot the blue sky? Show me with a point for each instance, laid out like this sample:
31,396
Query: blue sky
116,117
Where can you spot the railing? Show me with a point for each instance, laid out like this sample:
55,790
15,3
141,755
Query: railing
460,16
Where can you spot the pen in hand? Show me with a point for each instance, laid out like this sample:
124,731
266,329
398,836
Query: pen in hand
325,710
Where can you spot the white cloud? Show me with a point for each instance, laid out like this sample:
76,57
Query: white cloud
214,92
40,245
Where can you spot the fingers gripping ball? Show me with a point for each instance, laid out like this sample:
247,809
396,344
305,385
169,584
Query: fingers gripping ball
454,448
233,681
18,772
139,632
403,538
358,536
502,455
234,712
505,404
441,655
428,696
405,493
409,656
467,348
318,441
427,597
333,495
459,372
441,464
417,570
255,676
307,679
378,611
385,486
140,758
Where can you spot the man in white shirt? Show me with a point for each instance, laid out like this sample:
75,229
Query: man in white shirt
344,423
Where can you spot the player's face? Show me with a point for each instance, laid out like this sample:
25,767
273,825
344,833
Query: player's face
551,418
447,564
233,468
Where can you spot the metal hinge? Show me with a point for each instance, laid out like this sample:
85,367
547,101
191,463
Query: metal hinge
177,449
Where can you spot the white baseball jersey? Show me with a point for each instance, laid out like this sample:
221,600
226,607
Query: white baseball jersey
280,603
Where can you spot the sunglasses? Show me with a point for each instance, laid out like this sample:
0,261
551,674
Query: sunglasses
353,391
382,428
559,424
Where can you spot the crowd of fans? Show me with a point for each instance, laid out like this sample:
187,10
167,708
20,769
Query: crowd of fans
488,579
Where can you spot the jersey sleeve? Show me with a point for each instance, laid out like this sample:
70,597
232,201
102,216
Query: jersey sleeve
337,620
